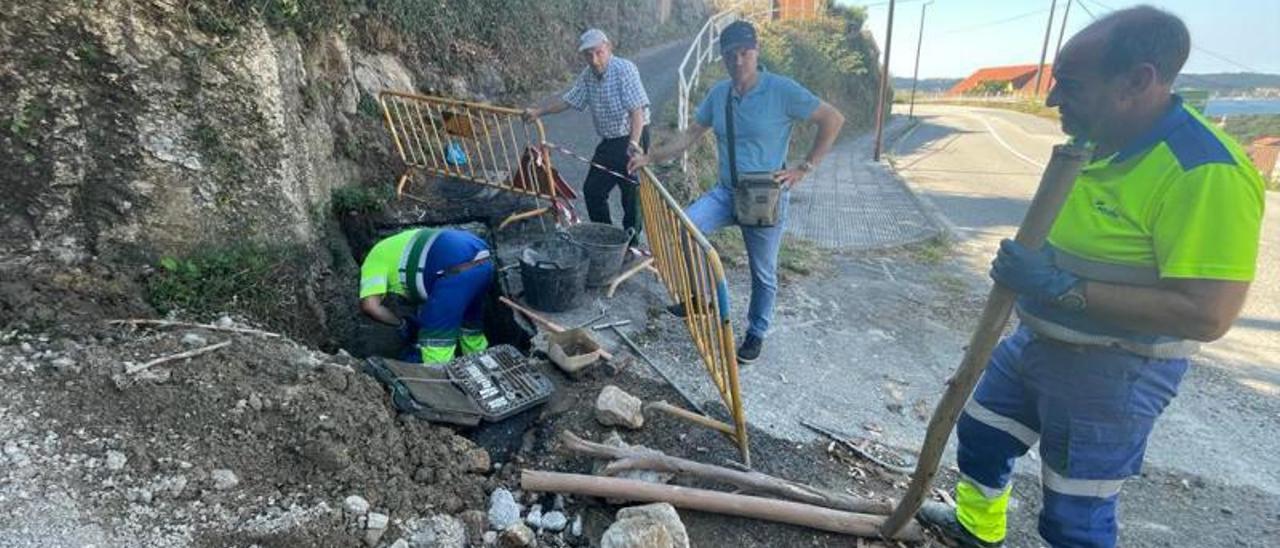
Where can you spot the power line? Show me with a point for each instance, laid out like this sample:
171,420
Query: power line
1210,53
998,22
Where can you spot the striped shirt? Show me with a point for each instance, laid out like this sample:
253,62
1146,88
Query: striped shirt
610,97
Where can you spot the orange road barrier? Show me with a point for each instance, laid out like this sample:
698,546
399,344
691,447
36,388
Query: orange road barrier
478,143
691,270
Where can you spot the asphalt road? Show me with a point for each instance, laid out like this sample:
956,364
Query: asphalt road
980,168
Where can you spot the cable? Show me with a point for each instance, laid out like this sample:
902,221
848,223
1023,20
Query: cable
999,22
1210,53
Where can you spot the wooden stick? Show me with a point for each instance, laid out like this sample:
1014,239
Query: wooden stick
178,356
652,459
700,420
781,511
1055,184
168,323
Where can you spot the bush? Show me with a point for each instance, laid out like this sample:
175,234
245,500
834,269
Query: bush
258,279
360,199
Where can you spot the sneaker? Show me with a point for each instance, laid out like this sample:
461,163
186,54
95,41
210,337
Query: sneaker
750,349
942,517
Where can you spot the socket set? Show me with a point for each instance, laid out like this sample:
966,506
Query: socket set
501,381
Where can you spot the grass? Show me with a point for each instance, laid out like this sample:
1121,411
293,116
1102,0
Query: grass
932,251
249,277
797,256
360,199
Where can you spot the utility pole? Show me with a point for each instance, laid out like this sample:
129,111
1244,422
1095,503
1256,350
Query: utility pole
1044,50
915,75
1062,31
884,85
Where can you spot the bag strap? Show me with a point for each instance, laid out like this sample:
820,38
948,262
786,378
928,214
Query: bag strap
728,125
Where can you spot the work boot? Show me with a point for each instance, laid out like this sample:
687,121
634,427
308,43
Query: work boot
750,349
942,518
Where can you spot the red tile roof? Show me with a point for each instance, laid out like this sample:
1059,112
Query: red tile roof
1022,77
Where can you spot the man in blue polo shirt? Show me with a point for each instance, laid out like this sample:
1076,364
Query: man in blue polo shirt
765,107
611,89
1153,252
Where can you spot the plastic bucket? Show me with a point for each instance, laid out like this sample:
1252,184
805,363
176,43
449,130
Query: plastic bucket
554,274
607,247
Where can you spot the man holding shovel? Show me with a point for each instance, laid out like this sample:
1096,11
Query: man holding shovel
752,114
1152,252
610,87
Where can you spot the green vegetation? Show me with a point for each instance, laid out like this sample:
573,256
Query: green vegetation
797,256
368,106
25,119
243,277
360,199
1035,107
932,251
1247,128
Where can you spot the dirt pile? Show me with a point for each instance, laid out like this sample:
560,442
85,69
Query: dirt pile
260,440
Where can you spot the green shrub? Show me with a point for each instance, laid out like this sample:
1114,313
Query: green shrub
245,277
360,199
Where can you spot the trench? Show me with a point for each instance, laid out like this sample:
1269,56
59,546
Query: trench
503,439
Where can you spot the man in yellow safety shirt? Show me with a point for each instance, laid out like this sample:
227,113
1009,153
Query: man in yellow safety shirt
1153,251
447,274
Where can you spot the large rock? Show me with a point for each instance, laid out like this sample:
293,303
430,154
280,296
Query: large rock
355,505
503,510
636,533
438,531
517,536
664,514
614,407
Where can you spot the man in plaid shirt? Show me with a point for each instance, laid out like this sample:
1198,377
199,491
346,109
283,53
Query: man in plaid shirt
610,87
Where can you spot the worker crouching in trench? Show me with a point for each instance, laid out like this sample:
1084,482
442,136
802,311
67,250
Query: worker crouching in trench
446,274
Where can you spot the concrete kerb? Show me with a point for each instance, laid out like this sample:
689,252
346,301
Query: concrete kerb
947,230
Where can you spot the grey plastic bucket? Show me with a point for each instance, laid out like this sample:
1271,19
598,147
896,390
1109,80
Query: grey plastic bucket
607,247
553,273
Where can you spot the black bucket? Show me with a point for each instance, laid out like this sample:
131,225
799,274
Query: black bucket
554,274
607,246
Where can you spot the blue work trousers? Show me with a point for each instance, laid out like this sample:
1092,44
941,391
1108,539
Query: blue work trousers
713,211
1091,408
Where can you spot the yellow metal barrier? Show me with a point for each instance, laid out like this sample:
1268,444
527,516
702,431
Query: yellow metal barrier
690,269
474,142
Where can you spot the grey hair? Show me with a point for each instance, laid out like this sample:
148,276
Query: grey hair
1144,34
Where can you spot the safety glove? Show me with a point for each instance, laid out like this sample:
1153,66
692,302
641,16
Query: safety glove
1030,272
407,330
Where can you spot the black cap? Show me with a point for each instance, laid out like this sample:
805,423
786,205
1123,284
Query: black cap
738,34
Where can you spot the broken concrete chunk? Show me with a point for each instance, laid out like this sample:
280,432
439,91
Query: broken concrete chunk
534,518
355,505
477,460
554,521
616,407
662,513
517,536
224,479
636,533
375,526
503,510
116,460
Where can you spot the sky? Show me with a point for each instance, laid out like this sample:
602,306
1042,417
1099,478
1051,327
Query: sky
964,35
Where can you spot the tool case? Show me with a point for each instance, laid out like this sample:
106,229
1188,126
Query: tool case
490,386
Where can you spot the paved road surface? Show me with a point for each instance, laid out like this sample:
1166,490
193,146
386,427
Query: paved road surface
980,167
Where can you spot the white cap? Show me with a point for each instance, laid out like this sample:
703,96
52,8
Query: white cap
591,39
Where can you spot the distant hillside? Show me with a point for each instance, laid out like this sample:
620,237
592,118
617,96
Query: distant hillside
1229,83
926,85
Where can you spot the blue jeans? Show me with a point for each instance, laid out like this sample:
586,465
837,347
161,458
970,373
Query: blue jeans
713,211
1091,408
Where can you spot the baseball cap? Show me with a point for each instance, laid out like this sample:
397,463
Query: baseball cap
591,39
738,34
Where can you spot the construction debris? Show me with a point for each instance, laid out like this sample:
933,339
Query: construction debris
614,407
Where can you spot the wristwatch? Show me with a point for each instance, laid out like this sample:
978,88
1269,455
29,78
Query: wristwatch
1074,299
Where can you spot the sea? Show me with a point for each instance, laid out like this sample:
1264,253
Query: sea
1236,107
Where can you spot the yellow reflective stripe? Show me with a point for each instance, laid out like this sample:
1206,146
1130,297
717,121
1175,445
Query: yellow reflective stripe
437,354
472,343
1096,488
985,517
977,412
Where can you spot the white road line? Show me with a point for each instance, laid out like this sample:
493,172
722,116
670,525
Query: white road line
1004,144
